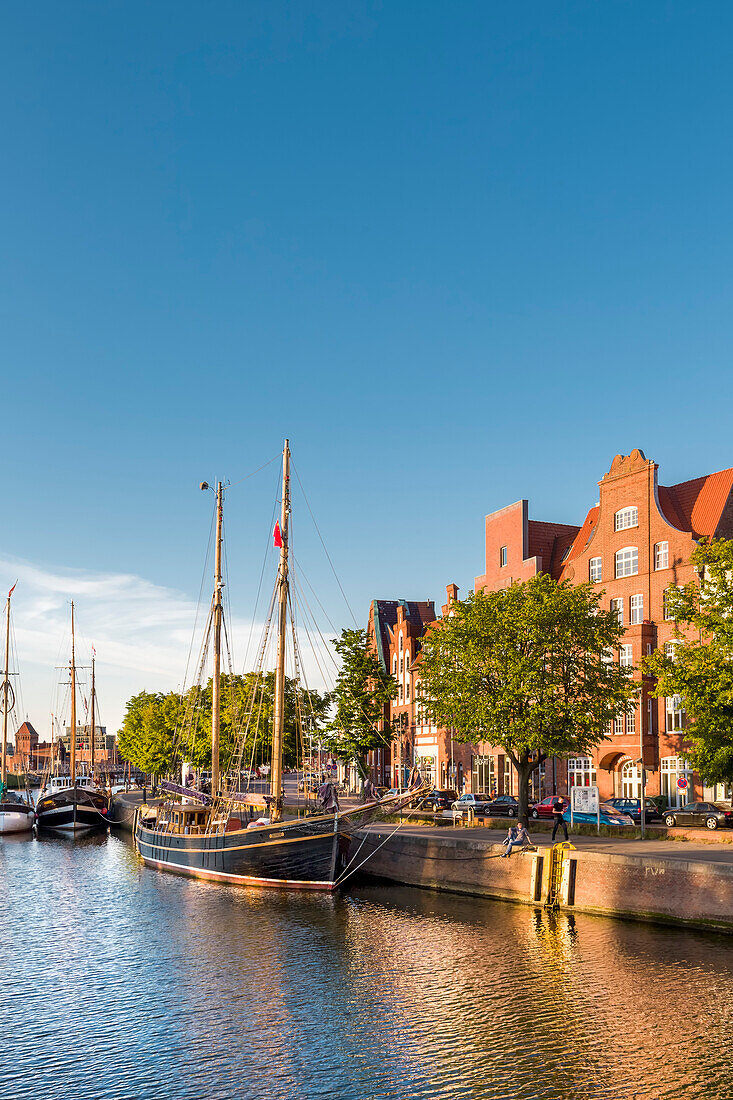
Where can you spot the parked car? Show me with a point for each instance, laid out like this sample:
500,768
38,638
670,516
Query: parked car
608,816
504,805
544,808
632,807
438,800
699,813
471,801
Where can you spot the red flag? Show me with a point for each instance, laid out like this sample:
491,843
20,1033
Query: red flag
277,536
12,590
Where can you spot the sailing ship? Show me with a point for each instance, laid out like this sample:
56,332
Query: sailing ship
74,803
16,815
209,836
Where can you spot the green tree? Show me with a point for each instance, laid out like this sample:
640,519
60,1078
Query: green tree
161,730
701,669
363,690
530,668
147,735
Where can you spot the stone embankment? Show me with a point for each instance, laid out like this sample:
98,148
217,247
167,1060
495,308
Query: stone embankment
689,883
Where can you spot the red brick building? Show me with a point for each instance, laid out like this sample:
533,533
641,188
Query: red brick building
633,546
397,629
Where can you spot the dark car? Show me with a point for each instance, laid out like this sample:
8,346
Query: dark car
438,800
504,805
699,813
632,807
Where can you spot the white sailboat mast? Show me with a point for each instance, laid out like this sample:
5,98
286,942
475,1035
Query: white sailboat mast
278,718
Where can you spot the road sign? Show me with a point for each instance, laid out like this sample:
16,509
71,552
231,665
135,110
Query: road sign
682,783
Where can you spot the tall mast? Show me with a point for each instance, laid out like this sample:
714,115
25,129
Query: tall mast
91,741
216,681
278,718
6,692
73,702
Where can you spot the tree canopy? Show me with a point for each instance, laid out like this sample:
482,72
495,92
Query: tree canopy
700,668
531,668
156,726
363,690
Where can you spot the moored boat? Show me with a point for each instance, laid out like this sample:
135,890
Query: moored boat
16,815
74,803
235,838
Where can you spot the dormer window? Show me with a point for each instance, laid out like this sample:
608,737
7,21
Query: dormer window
626,517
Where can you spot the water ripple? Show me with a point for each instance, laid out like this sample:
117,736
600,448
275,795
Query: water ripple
125,983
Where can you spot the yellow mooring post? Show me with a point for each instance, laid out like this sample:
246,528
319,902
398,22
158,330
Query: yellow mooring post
556,862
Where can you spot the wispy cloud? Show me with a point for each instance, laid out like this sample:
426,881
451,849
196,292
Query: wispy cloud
142,633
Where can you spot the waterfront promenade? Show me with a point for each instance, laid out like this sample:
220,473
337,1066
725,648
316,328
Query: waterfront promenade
686,882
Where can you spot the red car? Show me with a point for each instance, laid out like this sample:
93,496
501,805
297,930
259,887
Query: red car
544,808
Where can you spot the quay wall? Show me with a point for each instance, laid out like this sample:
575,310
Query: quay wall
647,888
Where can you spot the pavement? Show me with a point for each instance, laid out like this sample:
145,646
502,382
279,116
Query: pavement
703,849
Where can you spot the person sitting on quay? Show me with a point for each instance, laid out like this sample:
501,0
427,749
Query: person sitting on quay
517,837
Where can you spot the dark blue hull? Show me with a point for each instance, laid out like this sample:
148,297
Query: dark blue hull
305,854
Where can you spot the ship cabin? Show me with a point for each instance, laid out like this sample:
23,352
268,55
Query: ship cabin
185,819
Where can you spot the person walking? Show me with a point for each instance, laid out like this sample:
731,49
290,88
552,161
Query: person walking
516,837
558,810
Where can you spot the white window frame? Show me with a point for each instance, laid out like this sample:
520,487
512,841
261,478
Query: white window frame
595,570
631,720
675,714
581,772
661,555
503,555
631,780
671,768
626,655
636,609
625,518
619,725
626,561
617,605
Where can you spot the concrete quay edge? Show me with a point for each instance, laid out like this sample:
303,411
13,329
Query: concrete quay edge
659,889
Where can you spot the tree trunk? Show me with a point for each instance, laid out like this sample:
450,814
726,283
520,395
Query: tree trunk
525,767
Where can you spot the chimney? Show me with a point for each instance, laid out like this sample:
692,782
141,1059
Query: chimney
451,591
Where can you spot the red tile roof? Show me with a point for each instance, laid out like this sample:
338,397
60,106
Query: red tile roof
585,532
699,504
549,541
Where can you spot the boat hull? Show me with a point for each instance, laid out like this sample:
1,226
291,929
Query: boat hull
306,855
16,818
74,810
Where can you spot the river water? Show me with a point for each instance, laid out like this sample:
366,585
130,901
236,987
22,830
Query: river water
122,982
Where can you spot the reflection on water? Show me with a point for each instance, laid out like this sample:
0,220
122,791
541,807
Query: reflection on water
124,982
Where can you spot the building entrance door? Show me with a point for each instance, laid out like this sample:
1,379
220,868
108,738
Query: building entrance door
631,781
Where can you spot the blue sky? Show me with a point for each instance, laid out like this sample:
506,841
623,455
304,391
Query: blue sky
460,253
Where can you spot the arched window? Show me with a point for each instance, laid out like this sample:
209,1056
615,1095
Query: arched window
661,555
631,780
627,561
626,517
